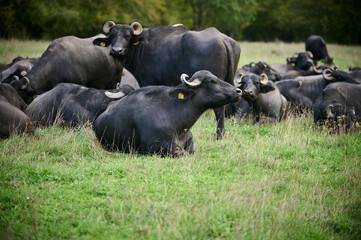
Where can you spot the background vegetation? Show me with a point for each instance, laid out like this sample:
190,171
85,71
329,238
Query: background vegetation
281,181
252,20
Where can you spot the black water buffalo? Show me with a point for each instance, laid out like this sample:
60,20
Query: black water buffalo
157,119
159,55
299,64
339,106
17,70
303,92
259,68
72,105
4,66
12,119
73,60
317,46
263,97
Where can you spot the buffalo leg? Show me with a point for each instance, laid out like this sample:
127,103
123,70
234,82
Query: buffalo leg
219,112
165,149
189,147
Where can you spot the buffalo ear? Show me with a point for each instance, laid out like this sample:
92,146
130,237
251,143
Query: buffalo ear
103,42
182,93
266,88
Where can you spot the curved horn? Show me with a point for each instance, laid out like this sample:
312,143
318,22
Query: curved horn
26,83
309,54
240,76
116,95
327,74
107,26
329,110
23,73
29,67
137,27
15,78
194,83
318,71
264,79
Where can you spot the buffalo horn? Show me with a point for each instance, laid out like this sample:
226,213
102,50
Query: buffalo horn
319,71
264,79
327,74
23,73
329,113
240,78
194,83
309,54
26,83
116,95
137,27
107,26
15,78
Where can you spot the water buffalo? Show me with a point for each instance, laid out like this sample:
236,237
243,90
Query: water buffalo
157,119
159,55
72,105
303,92
73,60
12,119
339,106
317,46
263,97
300,64
259,68
18,69
4,66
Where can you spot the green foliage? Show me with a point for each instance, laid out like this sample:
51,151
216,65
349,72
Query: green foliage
295,20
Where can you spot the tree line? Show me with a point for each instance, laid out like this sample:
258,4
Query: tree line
338,21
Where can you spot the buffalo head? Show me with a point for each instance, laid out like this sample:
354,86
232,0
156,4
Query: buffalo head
301,61
253,85
121,37
207,90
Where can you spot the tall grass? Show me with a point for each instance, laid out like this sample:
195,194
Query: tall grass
276,181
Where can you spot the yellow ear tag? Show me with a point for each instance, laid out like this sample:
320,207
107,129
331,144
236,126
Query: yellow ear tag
180,95
293,64
102,44
357,124
136,43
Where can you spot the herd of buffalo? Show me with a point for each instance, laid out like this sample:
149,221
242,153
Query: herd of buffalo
144,88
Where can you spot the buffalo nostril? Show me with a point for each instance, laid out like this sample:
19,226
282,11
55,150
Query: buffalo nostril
239,91
116,50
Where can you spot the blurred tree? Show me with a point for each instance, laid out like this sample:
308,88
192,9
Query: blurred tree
294,20
335,20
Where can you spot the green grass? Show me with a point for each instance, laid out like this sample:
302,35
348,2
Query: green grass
281,181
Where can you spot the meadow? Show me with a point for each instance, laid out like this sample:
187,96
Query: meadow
276,181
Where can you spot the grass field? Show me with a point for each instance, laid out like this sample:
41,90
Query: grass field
281,181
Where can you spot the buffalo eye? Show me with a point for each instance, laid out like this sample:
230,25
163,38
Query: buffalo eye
214,81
